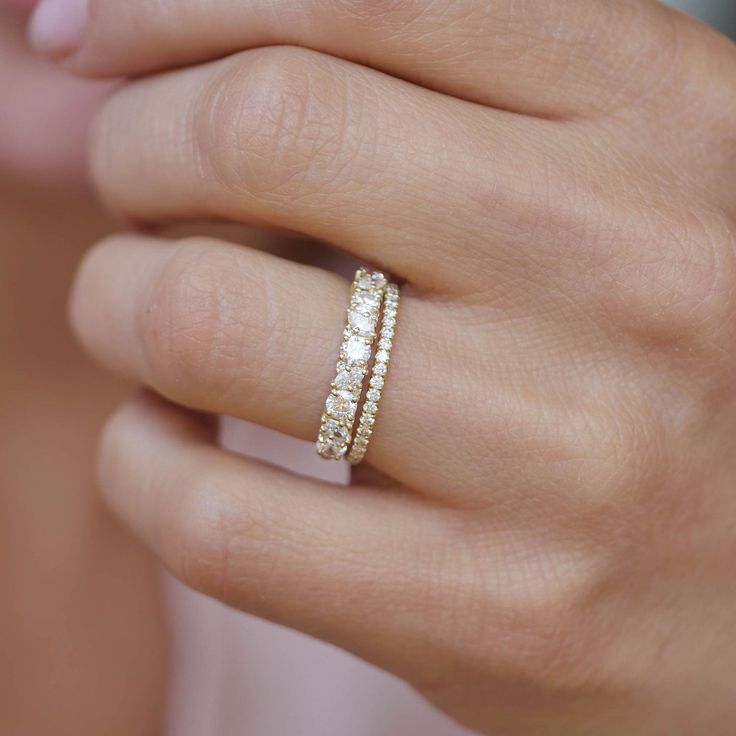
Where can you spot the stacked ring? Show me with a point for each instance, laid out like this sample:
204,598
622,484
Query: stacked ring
341,407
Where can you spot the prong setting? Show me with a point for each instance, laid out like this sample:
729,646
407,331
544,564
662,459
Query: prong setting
359,336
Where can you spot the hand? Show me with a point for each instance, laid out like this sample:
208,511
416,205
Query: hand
554,550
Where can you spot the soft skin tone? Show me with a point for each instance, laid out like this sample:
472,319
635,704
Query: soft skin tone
82,639
544,542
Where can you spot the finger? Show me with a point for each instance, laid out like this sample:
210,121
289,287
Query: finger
342,565
230,330
297,140
540,58
217,327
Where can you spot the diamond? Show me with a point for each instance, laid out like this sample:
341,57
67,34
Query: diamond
334,430
382,356
371,407
364,324
340,404
377,382
385,344
356,350
365,281
332,451
379,369
373,395
349,380
367,299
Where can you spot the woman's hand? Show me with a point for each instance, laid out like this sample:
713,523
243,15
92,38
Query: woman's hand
554,551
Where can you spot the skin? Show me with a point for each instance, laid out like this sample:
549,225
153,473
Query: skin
83,645
543,542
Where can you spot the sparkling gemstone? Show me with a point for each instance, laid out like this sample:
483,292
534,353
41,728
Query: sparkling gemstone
369,421
367,299
389,320
365,281
334,430
382,356
362,323
349,380
356,350
340,404
373,395
379,369
385,344
371,407
379,280
377,382
331,450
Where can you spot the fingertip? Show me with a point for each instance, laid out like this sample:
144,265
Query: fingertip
57,27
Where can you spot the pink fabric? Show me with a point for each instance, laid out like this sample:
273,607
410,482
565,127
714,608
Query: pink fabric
238,676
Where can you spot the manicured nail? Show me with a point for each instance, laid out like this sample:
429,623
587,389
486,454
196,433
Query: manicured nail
57,27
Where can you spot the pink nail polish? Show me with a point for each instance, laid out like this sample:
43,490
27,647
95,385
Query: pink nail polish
57,27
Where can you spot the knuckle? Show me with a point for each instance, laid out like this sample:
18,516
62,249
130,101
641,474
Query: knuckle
192,324
268,119
209,536
525,616
671,283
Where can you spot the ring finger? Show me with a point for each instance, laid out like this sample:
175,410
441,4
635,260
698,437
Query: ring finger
231,330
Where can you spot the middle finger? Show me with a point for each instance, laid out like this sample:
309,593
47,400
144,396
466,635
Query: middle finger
294,139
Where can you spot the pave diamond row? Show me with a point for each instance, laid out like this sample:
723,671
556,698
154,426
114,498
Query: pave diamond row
338,418
378,376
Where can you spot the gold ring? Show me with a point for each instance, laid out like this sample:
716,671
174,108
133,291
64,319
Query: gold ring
364,311
378,376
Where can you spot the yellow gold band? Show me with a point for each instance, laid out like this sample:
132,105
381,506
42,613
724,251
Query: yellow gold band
364,311
378,376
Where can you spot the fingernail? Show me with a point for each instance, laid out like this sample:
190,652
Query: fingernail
57,26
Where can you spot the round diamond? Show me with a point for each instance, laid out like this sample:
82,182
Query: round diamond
365,281
348,380
382,356
334,430
373,395
330,450
376,382
385,344
379,369
367,299
362,323
340,404
356,350
371,407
